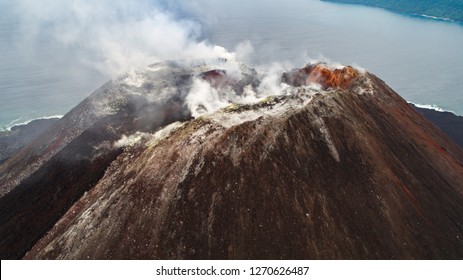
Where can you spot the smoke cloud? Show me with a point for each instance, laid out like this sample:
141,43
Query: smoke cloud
114,36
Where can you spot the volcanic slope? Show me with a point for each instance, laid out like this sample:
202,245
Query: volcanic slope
332,165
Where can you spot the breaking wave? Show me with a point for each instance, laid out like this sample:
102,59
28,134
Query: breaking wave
432,107
21,121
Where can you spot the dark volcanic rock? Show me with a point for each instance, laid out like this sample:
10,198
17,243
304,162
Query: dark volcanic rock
21,135
347,172
45,178
127,96
448,122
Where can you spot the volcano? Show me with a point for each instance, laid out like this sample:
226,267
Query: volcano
327,163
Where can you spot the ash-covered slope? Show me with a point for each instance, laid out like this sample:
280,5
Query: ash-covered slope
46,177
13,140
331,164
132,102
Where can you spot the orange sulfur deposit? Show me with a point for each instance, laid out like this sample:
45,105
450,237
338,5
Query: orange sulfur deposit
319,73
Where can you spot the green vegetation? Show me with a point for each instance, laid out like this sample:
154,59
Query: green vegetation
446,9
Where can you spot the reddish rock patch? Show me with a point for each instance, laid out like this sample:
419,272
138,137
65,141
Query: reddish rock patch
217,78
326,77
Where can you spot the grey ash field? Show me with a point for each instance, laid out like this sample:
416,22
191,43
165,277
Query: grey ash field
329,163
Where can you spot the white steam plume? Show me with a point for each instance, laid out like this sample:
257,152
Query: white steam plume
113,36
116,36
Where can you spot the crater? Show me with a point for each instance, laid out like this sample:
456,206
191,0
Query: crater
322,74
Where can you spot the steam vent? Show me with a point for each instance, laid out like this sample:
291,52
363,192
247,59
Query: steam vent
225,162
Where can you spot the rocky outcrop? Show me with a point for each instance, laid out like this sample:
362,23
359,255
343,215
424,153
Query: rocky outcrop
342,170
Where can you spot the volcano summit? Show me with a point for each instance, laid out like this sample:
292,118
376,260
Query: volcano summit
224,162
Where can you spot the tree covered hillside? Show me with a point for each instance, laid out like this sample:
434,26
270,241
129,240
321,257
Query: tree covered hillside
449,9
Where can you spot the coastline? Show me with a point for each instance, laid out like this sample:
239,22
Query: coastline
18,136
430,107
414,15
448,122
17,123
401,12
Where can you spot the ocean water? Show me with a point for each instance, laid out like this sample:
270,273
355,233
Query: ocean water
421,58
38,79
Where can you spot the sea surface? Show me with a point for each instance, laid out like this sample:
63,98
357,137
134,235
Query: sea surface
420,58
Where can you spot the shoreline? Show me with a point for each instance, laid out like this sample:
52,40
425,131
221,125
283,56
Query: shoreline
14,125
13,140
448,122
404,13
432,107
